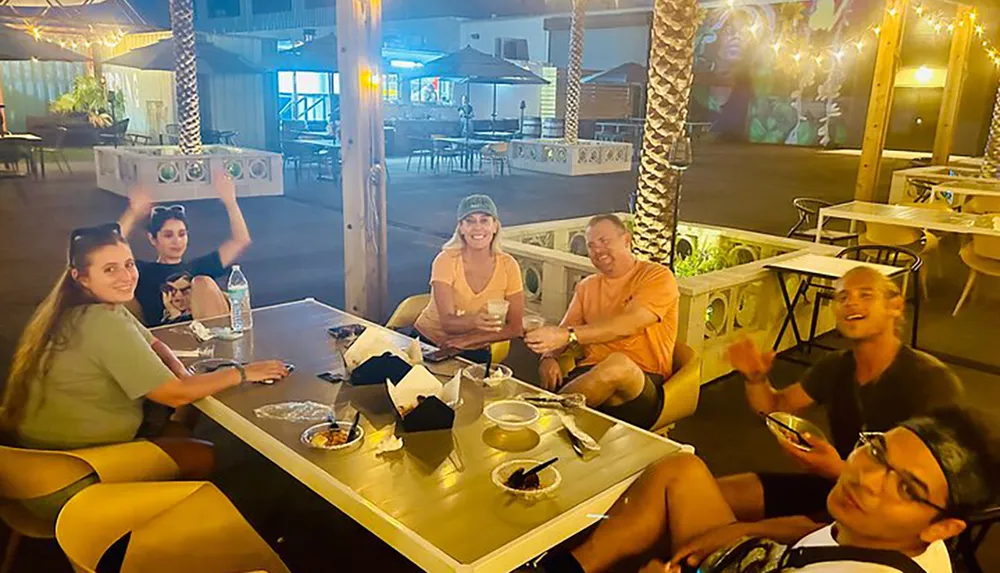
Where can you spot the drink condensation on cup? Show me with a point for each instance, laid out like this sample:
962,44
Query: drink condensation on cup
498,308
531,322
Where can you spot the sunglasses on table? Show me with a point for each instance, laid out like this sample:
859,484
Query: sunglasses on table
909,488
166,208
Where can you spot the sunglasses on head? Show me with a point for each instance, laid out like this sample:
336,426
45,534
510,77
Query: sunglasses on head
89,232
169,208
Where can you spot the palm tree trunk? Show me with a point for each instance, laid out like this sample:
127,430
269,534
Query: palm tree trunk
671,73
572,128
991,158
186,76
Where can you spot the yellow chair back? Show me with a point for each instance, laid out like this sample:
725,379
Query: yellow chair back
25,474
173,526
988,247
408,311
896,235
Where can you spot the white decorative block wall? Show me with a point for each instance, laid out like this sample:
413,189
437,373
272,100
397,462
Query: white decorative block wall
582,158
172,176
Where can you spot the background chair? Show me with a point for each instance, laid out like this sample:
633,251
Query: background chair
496,155
680,392
54,144
982,256
27,474
805,228
170,526
407,312
423,151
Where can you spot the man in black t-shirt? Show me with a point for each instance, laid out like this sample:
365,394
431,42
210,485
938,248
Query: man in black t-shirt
171,289
872,387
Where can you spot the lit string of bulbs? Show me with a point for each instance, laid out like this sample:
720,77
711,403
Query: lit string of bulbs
75,41
940,22
836,53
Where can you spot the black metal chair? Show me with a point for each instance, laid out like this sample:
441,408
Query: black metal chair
424,153
806,227
964,548
889,255
54,144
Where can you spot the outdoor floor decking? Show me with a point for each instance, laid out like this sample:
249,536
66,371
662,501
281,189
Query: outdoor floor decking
298,252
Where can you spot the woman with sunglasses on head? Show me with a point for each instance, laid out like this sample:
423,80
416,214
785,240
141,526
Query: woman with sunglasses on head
84,366
173,290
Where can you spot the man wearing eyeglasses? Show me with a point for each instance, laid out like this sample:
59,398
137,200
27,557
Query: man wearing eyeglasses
876,384
900,495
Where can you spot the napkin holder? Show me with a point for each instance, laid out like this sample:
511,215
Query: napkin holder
419,394
378,369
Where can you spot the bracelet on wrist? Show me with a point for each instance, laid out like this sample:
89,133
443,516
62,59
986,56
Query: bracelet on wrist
243,372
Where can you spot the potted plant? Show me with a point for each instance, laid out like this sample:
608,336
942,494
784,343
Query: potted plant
89,98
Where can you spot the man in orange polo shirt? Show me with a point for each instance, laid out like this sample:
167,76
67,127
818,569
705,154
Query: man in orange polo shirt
625,319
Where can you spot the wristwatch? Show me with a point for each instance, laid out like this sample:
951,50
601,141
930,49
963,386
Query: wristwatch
572,336
243,371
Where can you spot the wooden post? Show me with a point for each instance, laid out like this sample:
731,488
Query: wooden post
359,47
958,67
880,103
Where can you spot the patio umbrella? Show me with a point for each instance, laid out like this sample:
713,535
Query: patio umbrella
16,45
630,74
212,59
475,67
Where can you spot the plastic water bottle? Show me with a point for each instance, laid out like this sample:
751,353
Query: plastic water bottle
240,315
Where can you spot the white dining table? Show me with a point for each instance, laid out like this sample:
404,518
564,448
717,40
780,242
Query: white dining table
915,217
433,501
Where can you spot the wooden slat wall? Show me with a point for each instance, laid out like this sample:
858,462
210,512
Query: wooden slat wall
237,102
142,90
132,42
596,101
29,87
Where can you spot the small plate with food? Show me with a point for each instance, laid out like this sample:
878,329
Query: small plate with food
332,436
498,374
532,486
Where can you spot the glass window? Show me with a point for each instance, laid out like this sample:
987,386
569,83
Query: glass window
431,90
286,82
312,82
271,6
390,87
223,8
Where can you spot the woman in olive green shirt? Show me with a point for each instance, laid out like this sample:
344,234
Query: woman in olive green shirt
84,366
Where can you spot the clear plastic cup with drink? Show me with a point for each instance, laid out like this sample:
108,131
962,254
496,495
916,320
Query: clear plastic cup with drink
498,310
532,321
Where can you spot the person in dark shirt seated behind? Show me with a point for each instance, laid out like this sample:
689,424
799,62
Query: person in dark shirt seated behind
170,289
904,492
875,385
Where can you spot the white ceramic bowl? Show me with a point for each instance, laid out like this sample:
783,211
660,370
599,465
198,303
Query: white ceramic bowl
307,435
549,478
800,425
511,415
499,374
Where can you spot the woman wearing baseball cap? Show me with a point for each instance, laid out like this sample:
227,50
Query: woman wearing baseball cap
471,271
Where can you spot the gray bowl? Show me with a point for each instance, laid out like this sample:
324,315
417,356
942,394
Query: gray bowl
800,425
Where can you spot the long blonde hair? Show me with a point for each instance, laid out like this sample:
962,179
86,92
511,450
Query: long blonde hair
48,331
457,241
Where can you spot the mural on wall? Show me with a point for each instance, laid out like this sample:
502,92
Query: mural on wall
776,73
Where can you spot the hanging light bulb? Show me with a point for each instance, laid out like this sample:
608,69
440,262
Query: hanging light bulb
797,57
776,47
860,46
877,30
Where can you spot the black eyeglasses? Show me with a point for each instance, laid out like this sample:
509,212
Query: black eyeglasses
88,232
172,208
909,488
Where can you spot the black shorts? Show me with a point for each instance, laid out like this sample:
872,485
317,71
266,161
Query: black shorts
643,410
787,494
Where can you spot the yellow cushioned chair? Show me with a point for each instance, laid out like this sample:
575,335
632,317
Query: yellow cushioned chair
27,474
981,255
173,526
680,391
407,312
